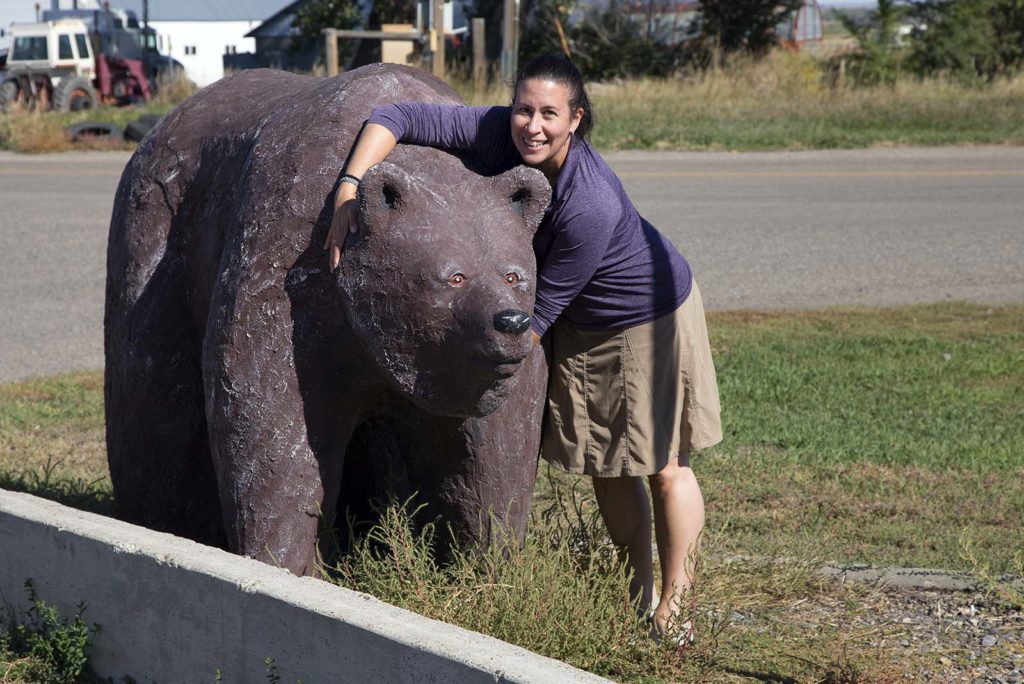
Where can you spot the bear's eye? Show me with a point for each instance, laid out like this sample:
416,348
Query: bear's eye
512,278
457,280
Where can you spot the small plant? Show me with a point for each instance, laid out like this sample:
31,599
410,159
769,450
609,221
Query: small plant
45,647
982,571
272,676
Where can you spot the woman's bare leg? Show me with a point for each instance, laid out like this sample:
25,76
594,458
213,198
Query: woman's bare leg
678,521
626,511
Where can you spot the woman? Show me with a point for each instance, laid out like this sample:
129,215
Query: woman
632,389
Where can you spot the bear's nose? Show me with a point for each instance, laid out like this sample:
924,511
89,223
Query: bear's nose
512,322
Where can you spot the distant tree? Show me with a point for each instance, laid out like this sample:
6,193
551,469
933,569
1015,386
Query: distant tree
878,37
541,21
744,25
312,17
614,43
392,12
1008,28
968,38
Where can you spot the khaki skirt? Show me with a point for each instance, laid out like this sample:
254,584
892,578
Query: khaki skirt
622,402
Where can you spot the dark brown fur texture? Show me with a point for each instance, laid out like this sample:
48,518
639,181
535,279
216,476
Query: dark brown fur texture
251,394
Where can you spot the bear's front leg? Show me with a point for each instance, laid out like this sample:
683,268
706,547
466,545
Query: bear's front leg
477,474
277,435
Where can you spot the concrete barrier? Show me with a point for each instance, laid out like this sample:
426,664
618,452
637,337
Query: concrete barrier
171,610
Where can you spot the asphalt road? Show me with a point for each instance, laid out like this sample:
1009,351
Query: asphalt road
762,230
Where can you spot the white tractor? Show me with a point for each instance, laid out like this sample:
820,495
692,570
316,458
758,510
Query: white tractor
56,64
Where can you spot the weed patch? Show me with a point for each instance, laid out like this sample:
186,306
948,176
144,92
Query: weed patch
43,647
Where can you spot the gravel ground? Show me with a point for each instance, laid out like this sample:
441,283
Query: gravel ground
935,635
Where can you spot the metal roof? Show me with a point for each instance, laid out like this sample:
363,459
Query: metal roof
204,10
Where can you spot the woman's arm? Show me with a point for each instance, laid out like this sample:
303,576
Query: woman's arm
456,127
372,146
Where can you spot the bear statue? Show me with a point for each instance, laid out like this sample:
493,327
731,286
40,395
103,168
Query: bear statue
252,395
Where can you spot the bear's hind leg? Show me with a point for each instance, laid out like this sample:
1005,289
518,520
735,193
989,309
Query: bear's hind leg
157,442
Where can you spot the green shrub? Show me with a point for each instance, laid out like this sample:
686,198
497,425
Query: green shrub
45,647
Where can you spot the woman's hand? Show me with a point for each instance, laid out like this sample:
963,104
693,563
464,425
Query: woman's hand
345,221
372,146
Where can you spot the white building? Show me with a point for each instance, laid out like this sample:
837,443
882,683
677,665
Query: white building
197,33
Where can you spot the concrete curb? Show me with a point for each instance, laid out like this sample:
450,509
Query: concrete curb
914,578
171,610
900,578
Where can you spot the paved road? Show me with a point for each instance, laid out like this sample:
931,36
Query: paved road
762,230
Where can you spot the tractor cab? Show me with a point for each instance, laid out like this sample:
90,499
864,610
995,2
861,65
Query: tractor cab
59,47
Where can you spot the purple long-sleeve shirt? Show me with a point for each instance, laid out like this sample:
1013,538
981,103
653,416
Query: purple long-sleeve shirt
599,263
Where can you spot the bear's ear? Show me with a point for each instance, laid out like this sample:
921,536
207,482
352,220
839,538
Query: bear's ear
527,192
384,188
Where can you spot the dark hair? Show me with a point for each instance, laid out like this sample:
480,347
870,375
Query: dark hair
560,69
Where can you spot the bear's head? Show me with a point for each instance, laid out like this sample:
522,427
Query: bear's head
438,282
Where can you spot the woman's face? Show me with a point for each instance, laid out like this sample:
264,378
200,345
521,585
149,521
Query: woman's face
542,123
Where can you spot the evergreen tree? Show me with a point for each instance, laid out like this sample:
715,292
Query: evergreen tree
312,17
744,25
878,37
968,38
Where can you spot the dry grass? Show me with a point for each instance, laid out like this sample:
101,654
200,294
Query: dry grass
43,132
172,90
785,102
32,132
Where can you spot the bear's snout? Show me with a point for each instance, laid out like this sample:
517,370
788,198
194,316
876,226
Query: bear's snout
512,321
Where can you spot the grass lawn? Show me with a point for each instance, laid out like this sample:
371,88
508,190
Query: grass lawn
893,436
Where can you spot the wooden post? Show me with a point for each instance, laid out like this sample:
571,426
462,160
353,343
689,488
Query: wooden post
508,42
331,51
437,61
479,52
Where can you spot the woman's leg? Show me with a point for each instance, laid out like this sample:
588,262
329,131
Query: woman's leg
626,511
678,520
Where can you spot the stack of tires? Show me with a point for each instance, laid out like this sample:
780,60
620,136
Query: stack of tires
135,131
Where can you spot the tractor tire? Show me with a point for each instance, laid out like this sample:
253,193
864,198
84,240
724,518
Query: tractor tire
8,94
93,130
136,130
74,94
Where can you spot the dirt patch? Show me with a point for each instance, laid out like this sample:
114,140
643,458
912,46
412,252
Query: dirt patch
951,636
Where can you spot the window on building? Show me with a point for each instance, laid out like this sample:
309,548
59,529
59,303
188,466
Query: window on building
64,47
190,49
81,42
